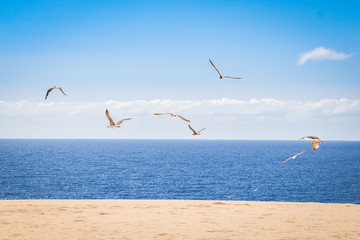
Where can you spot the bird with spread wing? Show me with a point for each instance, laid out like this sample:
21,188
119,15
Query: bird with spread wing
314,141
196,132
293,157
173,115
50,89
112,124
221,76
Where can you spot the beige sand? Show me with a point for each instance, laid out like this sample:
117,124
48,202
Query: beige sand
176,219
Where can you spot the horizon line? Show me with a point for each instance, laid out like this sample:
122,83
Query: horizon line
213,139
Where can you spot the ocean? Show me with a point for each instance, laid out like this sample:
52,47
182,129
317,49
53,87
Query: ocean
180,169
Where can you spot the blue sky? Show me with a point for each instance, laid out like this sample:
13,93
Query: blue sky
107,53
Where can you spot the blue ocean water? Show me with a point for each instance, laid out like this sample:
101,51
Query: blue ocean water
180,169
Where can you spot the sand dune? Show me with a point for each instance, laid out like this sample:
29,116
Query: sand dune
176,219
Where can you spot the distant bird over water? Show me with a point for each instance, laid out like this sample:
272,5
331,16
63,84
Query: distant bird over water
55,87
293,157
221,76
314,141
112,124
173,115
194,132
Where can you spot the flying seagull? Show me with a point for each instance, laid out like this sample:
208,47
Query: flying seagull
315,141
112,124
293,157
221,76
55,87
194,132
173,115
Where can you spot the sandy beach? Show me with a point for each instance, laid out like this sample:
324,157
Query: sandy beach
176,219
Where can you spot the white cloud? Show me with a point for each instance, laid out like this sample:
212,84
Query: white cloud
203,108
322,53
332,107
224,118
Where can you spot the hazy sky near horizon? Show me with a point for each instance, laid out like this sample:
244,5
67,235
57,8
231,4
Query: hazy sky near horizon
299,63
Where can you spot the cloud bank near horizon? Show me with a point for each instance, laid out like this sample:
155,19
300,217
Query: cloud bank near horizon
226,107
322,53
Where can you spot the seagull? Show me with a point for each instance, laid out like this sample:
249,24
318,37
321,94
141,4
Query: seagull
196,133
55,87
315,141
293,157
173,115
255,189
112,124
221,76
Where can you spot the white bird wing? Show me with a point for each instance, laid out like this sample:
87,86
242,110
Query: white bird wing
232,77
183,118
288,159
201,130
300,153
161,113
309,137
122,120
215,67
192,129
110,119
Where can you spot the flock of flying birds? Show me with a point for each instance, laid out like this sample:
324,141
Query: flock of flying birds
315,141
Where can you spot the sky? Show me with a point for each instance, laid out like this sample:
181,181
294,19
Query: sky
298,60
